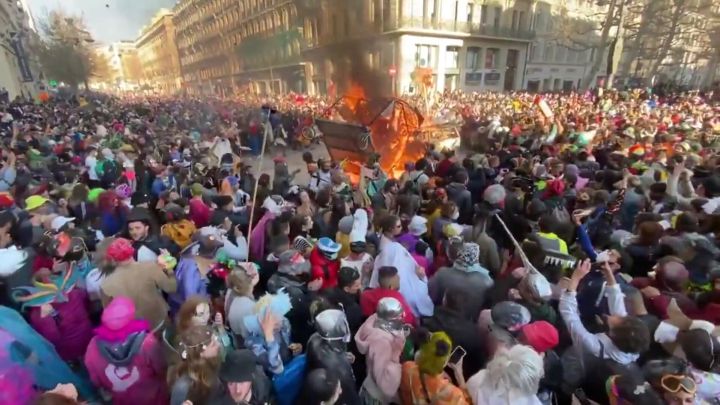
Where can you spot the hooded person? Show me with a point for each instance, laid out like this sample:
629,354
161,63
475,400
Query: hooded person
358,258
466,275
424,381
192,269
382,339
327,348
451,317
125,359
324,262
512,377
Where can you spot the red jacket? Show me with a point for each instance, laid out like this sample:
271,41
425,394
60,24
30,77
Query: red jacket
369,300
199,213
324,268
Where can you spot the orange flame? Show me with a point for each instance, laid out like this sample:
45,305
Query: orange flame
392,131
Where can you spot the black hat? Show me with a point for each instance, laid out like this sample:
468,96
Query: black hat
238,366
139,214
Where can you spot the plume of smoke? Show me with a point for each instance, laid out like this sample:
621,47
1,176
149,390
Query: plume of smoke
351,67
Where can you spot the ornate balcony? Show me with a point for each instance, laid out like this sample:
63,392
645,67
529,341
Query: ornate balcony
475,29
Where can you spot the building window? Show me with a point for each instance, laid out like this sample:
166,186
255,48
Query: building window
426,56
473,78
560,55
531,52
491,58
470,10
549,52
496,17
483,14
472,59
451,57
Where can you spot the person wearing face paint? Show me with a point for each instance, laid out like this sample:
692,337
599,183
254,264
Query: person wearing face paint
125,359
382,339
194,377
196,311
327,349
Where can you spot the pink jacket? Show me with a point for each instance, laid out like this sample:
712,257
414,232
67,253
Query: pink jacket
132,370
382,352
69,329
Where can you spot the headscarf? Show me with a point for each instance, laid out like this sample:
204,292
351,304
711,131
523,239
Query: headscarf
467,258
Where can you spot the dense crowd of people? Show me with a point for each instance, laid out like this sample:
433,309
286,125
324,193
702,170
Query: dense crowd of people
570,253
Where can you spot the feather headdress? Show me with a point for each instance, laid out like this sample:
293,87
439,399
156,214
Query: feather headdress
41,293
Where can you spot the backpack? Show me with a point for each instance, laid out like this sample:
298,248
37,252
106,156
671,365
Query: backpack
415,186
597,370
288,383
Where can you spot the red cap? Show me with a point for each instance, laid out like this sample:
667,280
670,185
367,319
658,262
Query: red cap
540,335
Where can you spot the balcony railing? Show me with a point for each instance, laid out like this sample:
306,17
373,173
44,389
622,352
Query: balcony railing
465,27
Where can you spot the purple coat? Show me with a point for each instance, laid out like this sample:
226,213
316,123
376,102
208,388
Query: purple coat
189,282
408,240
69,329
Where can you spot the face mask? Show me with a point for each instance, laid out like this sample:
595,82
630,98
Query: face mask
455,215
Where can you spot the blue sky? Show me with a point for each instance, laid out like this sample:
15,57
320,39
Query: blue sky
107,20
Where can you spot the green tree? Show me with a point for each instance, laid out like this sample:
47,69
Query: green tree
64,50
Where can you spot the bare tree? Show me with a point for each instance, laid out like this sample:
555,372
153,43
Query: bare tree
64,49
600,32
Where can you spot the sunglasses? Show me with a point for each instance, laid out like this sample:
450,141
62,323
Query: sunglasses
673,383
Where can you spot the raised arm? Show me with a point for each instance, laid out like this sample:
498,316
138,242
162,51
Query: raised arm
571,315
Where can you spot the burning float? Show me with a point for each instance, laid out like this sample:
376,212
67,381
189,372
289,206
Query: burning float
387,126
